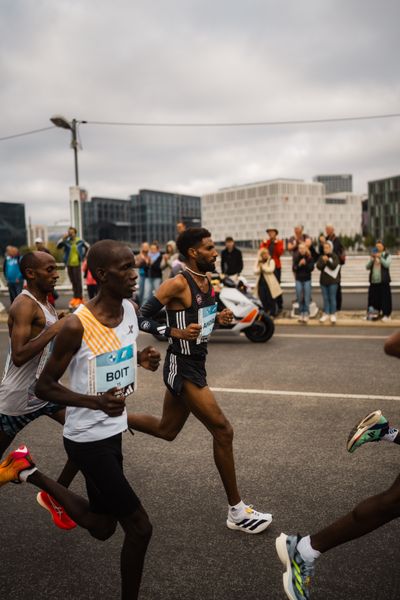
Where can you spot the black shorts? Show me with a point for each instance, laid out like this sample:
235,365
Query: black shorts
101,464
177,368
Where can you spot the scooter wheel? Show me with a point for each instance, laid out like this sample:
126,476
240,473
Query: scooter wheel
261,330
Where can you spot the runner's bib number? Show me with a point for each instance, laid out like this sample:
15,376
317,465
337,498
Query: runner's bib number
113,369
206,319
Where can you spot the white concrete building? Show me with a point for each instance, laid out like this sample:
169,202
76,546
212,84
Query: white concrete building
245,211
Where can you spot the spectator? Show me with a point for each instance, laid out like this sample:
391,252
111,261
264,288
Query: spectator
143,263
154,275
298,237
170,263
91,283
267,286
276,249
231,258
40,247
12,272
328,264
303,266
340,252
180,227
75,250
379,293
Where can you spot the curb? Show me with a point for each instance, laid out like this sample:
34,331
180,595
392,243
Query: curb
356,321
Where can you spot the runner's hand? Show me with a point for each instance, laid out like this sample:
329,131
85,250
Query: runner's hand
225,317
191,332
112,402
149,358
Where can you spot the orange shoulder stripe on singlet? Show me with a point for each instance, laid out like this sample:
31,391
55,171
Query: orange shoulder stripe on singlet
97,336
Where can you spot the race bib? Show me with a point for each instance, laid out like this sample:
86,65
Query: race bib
113,369
206,319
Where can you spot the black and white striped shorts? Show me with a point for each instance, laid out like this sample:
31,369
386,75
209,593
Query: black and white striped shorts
177,368
12,424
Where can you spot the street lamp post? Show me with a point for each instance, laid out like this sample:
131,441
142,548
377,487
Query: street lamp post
74,191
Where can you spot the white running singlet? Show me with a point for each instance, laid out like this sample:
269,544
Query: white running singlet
17,386
106,359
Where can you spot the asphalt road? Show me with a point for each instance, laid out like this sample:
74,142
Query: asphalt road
352,299
291,460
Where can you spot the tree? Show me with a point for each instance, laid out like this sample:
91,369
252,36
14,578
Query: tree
389,240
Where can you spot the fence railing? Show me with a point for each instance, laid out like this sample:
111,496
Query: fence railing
353,274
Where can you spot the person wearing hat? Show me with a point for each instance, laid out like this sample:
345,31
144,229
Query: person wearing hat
276,249
40,246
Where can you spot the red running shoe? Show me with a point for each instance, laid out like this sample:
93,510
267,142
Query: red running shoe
58,514
17,461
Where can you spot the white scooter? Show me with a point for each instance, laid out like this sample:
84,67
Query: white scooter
249,316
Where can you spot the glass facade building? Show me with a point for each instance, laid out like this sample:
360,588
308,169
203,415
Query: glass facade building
384,207
147,216
106,218
335,183
12,225
154,215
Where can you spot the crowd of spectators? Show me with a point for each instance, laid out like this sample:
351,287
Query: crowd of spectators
154,264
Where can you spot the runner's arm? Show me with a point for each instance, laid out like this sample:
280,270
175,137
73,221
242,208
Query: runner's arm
23,348
172,289
48,387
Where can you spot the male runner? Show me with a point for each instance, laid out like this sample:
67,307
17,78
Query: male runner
191,308
32,324
299,554
98,343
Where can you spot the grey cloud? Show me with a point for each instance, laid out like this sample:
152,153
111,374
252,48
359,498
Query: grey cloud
186,61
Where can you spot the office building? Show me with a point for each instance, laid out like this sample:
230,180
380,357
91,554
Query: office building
106,218
384,207
335,183
12,225
146,216
154,215
245,211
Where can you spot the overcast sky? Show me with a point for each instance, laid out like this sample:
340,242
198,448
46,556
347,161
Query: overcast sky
194,61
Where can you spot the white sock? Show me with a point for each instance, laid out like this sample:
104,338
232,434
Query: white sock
307,552
391,435
238,507
23,476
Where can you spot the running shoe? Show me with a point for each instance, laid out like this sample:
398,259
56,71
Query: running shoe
371,429
58,514
17,461
298,574
248,520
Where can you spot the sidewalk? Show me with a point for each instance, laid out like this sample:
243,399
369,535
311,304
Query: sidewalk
344,319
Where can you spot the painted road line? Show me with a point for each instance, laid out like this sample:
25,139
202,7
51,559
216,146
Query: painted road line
326,336
305,394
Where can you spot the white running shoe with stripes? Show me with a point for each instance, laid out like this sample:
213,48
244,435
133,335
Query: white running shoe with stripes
248,520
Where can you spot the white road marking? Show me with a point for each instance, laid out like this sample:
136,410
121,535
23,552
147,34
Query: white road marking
305,394
330,336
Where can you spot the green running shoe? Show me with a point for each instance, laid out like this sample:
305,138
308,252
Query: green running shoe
298,573
371,429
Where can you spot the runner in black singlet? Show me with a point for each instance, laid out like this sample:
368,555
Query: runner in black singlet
186,358
191,311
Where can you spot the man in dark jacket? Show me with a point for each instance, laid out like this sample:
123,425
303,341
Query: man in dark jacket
231,258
